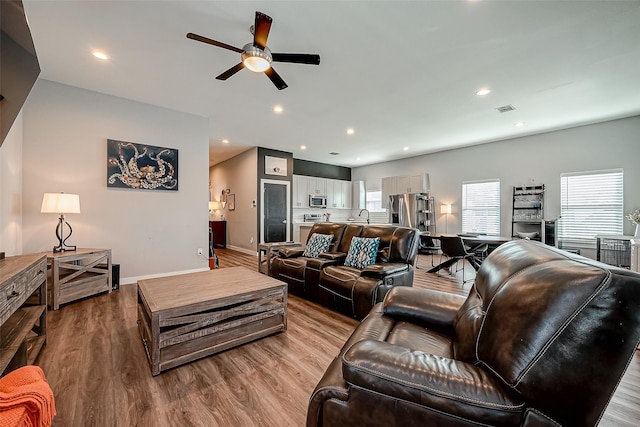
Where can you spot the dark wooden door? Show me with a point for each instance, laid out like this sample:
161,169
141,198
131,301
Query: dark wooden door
275,213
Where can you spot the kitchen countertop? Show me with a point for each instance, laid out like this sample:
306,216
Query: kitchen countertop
310,224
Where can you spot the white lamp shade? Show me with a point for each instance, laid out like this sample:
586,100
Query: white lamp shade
256,64
214,205
445,209
60,203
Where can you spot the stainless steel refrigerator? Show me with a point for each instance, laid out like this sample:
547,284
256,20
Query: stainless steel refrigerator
411,210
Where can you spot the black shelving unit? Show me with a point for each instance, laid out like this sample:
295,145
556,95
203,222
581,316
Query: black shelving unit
527,220
425,214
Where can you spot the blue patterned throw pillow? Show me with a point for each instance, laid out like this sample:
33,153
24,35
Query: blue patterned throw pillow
317,244
362,252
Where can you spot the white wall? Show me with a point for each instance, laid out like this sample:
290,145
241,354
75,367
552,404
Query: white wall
150,233
11,190
543,157
240,175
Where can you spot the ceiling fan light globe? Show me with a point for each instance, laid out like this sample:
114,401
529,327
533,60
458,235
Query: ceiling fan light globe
256,64
255,59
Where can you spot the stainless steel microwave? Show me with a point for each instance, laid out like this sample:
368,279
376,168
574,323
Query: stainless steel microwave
316,201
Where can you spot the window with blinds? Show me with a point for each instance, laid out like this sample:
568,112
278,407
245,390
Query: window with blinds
374,201
590,204
481,207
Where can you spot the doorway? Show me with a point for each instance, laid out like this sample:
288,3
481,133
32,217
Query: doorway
274,211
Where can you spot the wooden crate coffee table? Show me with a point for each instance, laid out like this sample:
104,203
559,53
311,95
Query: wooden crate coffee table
183,318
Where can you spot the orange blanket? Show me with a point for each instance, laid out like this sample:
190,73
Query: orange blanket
26,398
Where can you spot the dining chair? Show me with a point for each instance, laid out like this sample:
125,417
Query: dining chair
453,247
428,247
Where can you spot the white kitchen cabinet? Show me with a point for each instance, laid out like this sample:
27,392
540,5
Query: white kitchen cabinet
358,194
404,184
389,187
347,191
412,184
338,194
334,194
300,191
317,186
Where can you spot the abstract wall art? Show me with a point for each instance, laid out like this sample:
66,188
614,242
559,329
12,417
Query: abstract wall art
141,167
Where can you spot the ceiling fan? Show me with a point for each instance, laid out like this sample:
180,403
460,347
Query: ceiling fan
256,56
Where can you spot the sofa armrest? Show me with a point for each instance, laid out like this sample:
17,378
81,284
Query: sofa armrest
321,262
339,257
424,306
382,270
427,380
291,251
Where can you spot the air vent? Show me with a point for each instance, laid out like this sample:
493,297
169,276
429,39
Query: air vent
333,153
505,108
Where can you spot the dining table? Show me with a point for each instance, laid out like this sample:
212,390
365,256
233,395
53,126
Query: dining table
473,242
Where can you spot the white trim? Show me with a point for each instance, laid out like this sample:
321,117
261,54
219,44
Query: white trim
134,280
243,250
276,182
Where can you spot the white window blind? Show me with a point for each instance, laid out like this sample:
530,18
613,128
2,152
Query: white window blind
590,204
374,201
481,207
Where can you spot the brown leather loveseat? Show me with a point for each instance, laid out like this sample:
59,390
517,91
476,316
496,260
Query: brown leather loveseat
542,340
349,289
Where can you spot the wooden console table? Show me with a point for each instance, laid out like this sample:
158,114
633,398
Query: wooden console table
23,310
219,236
75,274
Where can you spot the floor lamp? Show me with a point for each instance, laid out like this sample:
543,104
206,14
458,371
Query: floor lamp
62,204
446,210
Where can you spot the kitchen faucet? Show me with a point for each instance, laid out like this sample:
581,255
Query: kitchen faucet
360,214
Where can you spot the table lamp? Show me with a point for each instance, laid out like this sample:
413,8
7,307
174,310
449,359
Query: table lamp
214,206
61,203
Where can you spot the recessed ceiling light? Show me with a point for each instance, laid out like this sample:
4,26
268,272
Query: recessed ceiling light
406,148
350,131
483,92
519,124
277,109
225,141
303,147
100,55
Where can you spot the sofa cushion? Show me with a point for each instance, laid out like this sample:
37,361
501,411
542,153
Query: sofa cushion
317,244
362,252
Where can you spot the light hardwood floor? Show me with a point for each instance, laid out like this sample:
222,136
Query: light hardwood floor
95,363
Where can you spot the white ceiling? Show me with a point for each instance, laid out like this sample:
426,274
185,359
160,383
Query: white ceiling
401,73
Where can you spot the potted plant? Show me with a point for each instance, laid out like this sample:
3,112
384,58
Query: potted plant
634,217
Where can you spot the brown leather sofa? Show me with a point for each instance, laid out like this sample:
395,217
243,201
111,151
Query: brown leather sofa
542,340
349,290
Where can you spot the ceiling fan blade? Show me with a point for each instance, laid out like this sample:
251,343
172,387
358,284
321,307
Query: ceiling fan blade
213,42
276,79
230,72
298,58
261,30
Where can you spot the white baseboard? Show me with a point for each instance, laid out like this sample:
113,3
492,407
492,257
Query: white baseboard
243,250
134,280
